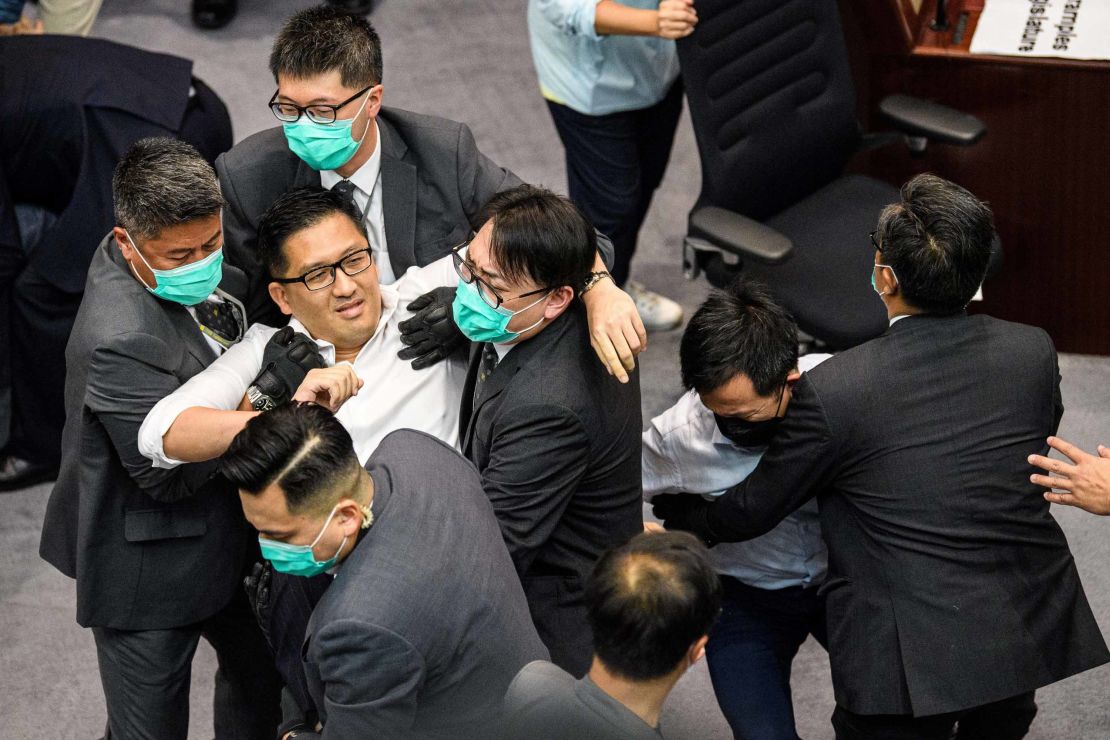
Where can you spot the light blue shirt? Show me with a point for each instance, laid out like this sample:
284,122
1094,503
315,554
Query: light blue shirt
684,452
593,74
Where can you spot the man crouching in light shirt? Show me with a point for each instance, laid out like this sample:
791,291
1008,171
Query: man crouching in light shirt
322,274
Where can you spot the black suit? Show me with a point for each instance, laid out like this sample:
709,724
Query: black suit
557,441
158,554
950,585
69,110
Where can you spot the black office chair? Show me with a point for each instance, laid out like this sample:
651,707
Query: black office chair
773,106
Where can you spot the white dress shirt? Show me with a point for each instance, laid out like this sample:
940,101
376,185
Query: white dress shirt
367,180
685,452
393,396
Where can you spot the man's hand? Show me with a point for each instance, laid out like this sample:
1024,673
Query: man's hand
329,387
686,512
1085,483
257,586
616,332
676,19
430,335
23,27
286,359
653,528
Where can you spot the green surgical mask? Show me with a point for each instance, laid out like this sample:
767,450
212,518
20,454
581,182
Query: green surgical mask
324,146
481,322
298,560
189,284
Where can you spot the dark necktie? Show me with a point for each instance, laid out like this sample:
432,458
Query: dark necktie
489,362
346,190
221,320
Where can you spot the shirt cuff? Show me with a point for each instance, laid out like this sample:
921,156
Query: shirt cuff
155,426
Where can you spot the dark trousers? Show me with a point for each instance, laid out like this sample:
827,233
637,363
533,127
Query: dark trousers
614,164
40,295
750,652
1008,719
146,676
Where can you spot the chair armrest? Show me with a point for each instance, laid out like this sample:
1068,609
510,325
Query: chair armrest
918,117
740,235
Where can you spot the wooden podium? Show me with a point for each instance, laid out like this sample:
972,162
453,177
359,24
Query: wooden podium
1044,165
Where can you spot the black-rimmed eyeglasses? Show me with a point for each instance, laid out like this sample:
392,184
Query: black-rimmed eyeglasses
321,277
319,113
875,242
491,297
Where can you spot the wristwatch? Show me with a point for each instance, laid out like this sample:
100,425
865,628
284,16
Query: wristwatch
593,279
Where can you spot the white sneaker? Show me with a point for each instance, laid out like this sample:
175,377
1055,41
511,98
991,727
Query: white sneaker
658,312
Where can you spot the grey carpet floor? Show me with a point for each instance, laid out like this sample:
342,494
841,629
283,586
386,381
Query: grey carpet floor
467,60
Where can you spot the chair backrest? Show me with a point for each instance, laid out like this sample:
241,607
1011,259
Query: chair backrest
772,101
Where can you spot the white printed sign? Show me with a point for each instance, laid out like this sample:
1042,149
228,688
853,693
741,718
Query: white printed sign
1072,29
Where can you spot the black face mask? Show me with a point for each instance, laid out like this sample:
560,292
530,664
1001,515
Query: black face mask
744,433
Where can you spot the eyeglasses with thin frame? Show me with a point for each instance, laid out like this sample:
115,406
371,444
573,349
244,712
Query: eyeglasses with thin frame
875,242
318,113
491,297
321,277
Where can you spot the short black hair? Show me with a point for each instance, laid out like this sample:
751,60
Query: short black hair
293,212
301,447
323,38
540,236
938,241
740,329
649,600
163,182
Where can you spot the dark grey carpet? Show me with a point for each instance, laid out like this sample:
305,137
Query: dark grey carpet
467,60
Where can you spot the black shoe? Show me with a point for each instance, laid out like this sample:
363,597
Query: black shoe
16,473
212,14
354,7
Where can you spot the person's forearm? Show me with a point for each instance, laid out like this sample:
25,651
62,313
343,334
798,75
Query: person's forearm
611,17
199,433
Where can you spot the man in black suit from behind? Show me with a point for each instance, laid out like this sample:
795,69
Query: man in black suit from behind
556,438
69,109
952,594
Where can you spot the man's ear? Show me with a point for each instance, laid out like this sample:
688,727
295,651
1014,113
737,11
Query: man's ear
793,376
374,103
349,514
123,242
697,650
558,301
277,294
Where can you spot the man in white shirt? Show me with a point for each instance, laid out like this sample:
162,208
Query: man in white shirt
739,361
311,241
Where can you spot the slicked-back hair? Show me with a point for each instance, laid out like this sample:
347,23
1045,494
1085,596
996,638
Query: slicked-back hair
323,39
293,212
540,236
649,601
300,447
740,329
938,240
163,182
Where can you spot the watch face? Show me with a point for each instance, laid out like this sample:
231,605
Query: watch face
259,400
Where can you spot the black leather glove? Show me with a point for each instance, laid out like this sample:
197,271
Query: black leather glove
287,358
257,586
686,512
430,335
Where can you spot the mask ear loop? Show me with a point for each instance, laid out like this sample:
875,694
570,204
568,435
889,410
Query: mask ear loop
130,264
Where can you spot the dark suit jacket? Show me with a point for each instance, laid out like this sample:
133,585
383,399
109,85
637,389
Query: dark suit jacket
70,107
557,441
150,548
434,183
425,625
950,584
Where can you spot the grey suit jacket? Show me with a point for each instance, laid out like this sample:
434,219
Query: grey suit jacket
434,184
950,584
426,624
150,548
557,441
